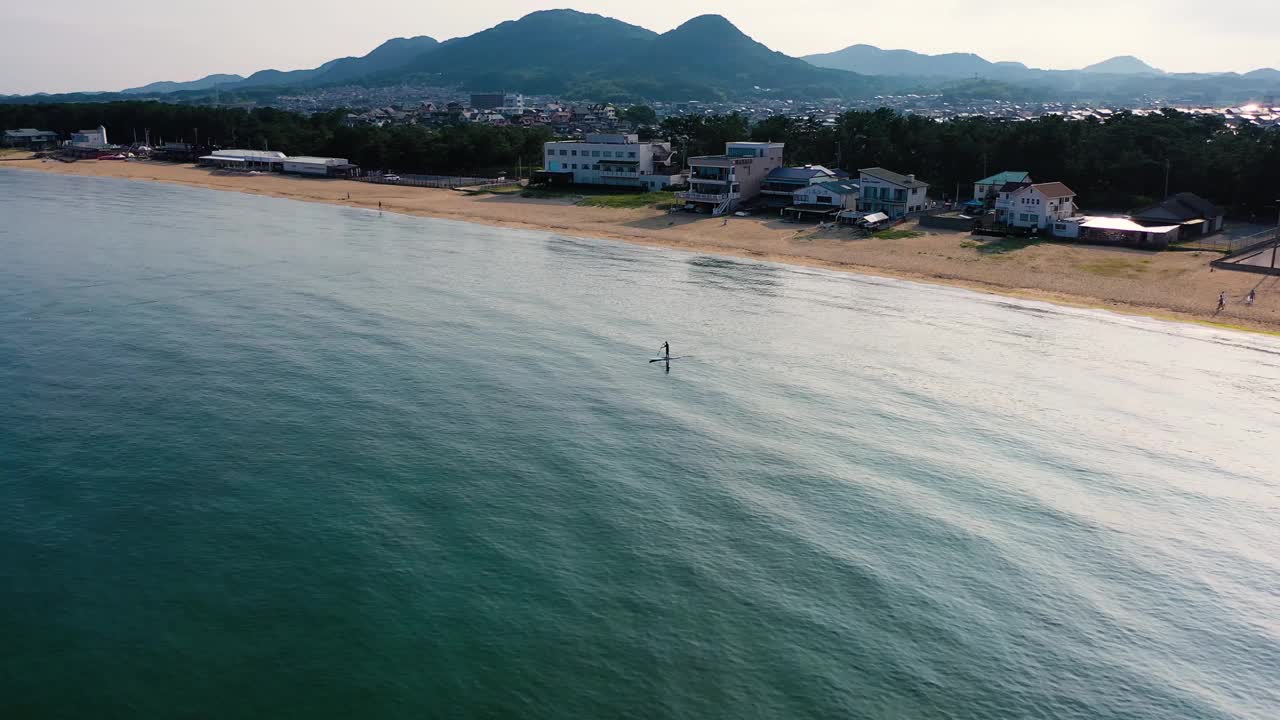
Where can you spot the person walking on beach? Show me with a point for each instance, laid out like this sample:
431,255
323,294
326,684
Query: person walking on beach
1253,295
1222,300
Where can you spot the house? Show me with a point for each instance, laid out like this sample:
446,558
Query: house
721,183
986,189
1192,213
30,139
781,184
891,193
824,200
1004,198
1040,205
95,139
612,159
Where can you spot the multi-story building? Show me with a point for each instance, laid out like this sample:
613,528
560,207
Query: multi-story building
30,139
781,184
986,189
895,195
95,138
720,183
1040,205
610,159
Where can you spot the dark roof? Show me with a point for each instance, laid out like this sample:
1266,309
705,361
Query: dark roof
893,177
28,132
1013,187
837,187
1181,207
797,173
841,174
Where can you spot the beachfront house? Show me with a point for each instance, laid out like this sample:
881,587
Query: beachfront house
721,183
30,139
1004,199
612,159
987,189
1039,205
781,184
823,201
93,139
1193,214
888,192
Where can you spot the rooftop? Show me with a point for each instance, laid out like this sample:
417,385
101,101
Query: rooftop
798,173
842,187
1054,190
893,177
1008,176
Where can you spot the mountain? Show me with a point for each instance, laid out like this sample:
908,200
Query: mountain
871,60
582,54
1263,74
387,56
1122,65
204,83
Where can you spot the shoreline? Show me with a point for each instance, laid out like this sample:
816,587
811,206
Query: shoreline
1174,286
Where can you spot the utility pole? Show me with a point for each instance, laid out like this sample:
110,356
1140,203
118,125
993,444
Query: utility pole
1166,178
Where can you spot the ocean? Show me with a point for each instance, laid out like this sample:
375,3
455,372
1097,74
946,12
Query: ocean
266,459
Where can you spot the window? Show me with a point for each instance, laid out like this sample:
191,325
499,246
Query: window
551,152
564,152
575,166
631,154
595,153
573,153
825,200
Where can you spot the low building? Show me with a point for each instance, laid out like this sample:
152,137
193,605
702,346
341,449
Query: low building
891,193
319,166
987,189
1194,215
30,139
722,183
1038,206
823,201
1116,231
781,184
94,139
612,159
269,160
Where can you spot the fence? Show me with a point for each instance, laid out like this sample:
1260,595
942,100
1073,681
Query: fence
1224,243
434,181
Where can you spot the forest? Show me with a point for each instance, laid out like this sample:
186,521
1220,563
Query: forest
1116,164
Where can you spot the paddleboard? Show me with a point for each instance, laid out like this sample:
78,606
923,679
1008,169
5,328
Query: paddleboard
662,359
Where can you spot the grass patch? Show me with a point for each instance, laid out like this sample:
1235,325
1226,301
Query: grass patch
896,234
630,200
1000,246
1115,267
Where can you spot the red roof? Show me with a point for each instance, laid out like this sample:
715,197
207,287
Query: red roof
1054,190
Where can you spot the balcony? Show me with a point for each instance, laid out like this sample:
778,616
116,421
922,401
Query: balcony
629,175
702,197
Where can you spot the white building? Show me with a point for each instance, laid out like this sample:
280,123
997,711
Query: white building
318,166
246,159
1039,205
895,195
823,200
95,138
720,183
614,160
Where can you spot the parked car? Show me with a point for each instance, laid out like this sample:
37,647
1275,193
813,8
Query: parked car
391,177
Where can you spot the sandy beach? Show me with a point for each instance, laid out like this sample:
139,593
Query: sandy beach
1169,285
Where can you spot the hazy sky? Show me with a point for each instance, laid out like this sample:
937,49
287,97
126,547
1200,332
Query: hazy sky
87,45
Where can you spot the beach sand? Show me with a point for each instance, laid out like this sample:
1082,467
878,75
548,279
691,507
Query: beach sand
1170,285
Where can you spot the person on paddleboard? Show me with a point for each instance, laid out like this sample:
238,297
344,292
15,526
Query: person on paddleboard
666,349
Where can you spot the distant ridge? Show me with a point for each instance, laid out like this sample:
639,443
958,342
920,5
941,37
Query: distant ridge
203,83
871,60
1123,65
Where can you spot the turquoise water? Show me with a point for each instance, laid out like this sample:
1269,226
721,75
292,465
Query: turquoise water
264,459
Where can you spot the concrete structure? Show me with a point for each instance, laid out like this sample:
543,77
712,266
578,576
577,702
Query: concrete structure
823,200
1115,231
95,139
1195,215
781,184
721,183
893,194
318,166
1040,205
613,160
270,160
30,139
986,189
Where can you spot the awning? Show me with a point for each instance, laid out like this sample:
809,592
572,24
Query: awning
1124,225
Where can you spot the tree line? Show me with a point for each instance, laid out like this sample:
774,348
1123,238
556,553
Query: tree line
1114,164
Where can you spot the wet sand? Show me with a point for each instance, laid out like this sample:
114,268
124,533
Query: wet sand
1170,285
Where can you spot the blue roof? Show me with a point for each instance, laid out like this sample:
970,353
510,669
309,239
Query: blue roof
1008,176
840,187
